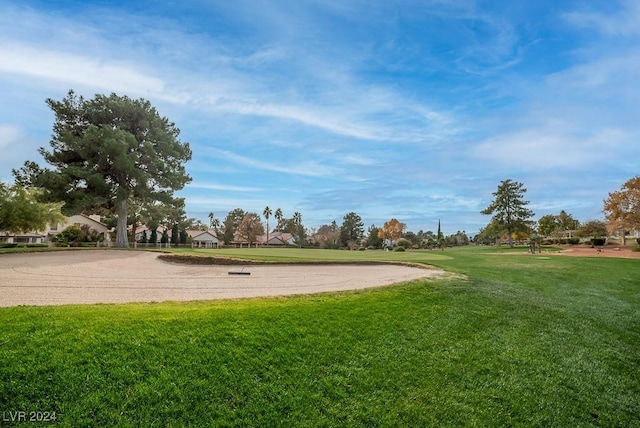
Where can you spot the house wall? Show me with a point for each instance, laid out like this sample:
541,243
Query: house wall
79,220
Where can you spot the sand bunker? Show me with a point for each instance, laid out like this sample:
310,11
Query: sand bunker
68,277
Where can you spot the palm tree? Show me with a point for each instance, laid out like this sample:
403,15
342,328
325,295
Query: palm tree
297,219
211,218
267,213
215,224
279,216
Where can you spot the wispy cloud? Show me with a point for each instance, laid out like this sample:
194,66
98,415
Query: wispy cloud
550,147
9,135
73,69
290,167
223,187
625,21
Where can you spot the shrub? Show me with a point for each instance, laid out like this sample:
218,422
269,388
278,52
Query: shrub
70,235
573,241
598,242
405,243
399,249
638,241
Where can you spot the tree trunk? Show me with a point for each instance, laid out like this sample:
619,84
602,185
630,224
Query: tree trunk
121,228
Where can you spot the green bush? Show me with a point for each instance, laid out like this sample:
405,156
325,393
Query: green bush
70,235
405,243
573,241
399,249
8,245
638,241
598,242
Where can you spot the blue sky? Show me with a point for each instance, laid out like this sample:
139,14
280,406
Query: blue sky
407,109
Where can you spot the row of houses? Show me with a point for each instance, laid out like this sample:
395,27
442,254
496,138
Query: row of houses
209,239
197,238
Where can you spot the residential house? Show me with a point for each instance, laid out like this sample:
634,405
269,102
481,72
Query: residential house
141,229
276,239
43,237
93,221
203,238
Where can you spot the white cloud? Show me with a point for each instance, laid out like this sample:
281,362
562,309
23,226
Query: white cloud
208,203
14,144
304,168
625,22
223,187
93,72
9,135
548,147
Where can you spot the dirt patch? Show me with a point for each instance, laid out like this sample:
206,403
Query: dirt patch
132,276
624,252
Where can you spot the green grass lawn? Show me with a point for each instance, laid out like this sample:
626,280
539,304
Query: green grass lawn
516,340
289,255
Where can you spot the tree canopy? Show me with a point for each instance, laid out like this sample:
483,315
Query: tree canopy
373,239
107,152
250,227
550,223
328,235
622,208
392,230
592,229
231,224
352,229
20,211
509,208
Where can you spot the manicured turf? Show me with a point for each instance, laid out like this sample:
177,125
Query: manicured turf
301,255
516,340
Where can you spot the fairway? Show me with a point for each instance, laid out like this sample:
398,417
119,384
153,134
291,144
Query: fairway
510,340
128,276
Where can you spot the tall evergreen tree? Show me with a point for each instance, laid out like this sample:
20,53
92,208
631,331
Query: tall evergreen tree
352,229
153,239
175,234
510,208
373,238
107,152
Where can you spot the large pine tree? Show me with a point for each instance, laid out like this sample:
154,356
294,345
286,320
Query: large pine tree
107,152
509,208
